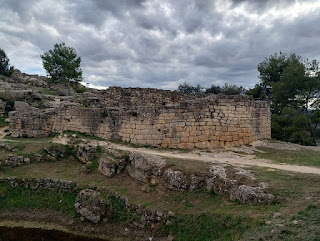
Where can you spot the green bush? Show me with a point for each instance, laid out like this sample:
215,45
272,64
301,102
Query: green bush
5,68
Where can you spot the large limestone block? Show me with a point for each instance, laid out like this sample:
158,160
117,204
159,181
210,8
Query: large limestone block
145,168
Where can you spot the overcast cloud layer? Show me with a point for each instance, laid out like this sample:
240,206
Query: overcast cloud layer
160,43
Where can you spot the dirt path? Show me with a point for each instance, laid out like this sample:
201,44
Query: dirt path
217,158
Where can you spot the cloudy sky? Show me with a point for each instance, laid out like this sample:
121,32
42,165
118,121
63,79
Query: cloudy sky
160,43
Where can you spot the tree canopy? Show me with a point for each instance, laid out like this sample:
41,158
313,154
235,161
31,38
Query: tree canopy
293,88
62,64
5,68
188,89
199,91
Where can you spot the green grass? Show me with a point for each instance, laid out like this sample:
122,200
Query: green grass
302,157
200,215
2,122
303,226
48,91
21,197
205,227
84,135
94,165
119,211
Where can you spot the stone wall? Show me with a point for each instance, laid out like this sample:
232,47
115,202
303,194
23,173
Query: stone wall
127,97
199,123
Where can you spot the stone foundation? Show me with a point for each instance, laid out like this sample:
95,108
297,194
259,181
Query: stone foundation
198,123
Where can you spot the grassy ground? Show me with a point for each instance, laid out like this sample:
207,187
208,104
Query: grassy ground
21,197
2,122
47,91
300,157
199,215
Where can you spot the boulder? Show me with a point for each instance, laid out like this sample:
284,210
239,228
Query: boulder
21,106
248,194
145,168
86,153
90,206
176,180
112,162
219,185
196,182
108,166
55,152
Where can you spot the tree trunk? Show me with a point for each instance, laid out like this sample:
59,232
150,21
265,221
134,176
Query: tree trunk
69,88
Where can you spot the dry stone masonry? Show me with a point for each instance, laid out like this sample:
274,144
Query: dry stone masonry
151,117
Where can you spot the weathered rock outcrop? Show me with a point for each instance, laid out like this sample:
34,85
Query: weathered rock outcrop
34,80
90,206
14,160
145,168
2,107
56,152
196,182
86,153
247,194
37,183
176,180
110,166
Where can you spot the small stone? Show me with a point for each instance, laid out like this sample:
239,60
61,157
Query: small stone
71,223
169,222
296,221
145,188
170,238
276,215
263,185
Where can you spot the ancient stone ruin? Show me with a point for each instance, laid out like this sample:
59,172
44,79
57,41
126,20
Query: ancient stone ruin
148,117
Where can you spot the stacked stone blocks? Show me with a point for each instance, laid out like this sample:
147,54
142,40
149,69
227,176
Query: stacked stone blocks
192,123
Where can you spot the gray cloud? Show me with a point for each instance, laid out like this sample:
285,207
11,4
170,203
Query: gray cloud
151,43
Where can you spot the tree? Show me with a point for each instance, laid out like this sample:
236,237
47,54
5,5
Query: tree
258,92
294,94
213,89
188,89
297,88
5,68
227,89
232,89
271,70
62,65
